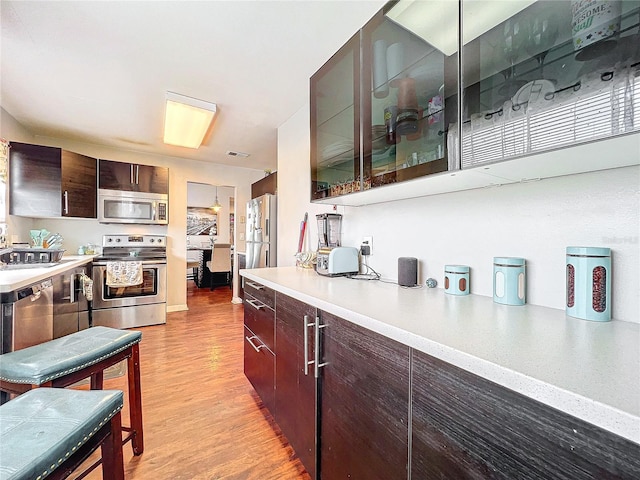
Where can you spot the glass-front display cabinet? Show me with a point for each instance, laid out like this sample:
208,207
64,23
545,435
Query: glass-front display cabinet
547,74
533,76
380,107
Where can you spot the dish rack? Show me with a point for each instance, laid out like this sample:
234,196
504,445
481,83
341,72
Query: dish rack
29,257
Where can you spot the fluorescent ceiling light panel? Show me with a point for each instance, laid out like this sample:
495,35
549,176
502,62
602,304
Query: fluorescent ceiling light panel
187,120
436,21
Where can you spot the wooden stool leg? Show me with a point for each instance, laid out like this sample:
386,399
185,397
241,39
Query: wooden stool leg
135,400
97,380
112,461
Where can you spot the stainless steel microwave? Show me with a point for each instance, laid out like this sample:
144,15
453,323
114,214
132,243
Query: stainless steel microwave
116,206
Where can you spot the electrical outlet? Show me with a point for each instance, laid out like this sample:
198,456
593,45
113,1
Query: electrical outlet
367,242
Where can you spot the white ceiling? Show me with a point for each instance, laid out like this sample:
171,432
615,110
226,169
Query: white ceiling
97,71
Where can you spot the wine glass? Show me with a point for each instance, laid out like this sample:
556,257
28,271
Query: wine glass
543,33
515,33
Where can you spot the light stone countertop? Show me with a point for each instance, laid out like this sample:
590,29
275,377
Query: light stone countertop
590,370
11,280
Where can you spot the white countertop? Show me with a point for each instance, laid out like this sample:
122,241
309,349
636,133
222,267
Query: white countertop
590,370
11,280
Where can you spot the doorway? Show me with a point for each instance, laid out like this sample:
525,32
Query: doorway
205,228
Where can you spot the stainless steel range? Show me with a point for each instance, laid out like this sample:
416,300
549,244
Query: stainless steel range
139,300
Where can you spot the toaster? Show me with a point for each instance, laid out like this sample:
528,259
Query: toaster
335,261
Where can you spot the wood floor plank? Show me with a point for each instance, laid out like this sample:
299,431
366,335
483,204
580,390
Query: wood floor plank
202,418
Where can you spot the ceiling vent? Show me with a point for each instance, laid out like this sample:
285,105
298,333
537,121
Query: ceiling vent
231,153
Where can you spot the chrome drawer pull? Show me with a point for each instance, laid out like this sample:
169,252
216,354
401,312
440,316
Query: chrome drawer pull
257,286
255,304
307,362
257,349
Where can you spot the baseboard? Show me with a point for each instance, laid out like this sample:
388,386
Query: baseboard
236,300
177,308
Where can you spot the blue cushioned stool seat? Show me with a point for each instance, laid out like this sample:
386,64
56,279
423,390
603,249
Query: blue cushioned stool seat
60,357
43,431
69,359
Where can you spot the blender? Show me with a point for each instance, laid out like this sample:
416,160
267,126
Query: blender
332,258
329,229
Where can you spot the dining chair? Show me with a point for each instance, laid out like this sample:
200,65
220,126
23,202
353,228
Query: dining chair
220,264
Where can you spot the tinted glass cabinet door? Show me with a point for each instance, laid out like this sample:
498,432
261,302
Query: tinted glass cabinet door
409,90
335,124
547,74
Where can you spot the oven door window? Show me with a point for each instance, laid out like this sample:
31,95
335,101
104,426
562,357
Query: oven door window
148,287
128,209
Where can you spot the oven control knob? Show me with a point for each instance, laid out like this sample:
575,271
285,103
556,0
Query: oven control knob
117,240
109,239
151,240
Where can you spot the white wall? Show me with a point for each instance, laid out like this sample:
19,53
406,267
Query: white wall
77,232
536,221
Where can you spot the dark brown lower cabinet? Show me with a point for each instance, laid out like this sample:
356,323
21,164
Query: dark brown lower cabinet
380,410
466,427
364,404
296,391
259,368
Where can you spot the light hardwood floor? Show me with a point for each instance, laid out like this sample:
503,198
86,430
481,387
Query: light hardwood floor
202,418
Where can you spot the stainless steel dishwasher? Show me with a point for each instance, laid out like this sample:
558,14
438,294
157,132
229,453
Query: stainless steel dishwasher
27,316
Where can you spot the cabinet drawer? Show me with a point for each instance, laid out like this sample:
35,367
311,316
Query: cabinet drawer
260,292
259,368
260,319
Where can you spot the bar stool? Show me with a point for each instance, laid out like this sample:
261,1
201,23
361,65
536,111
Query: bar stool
66,360
48,433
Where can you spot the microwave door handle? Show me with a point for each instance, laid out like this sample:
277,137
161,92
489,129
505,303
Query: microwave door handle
153,211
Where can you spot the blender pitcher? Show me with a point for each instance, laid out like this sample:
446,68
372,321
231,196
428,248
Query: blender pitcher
329,230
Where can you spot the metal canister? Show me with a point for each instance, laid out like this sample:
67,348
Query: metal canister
509,280
589,283
456,279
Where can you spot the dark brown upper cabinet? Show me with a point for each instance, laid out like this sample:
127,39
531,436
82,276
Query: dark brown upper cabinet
268,184
51,182
133,177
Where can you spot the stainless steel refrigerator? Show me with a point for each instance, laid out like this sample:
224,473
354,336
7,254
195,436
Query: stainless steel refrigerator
261,232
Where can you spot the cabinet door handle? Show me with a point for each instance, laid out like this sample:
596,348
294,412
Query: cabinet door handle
307,362
317,364
256,348
257,286
255,304
131,173
137,174
72,288
66,202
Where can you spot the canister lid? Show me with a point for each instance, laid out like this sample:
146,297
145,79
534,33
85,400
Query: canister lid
589,251
456,268
511,261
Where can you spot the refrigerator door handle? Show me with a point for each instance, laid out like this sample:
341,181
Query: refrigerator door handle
266,227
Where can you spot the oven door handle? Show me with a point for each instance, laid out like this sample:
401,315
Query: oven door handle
103,263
